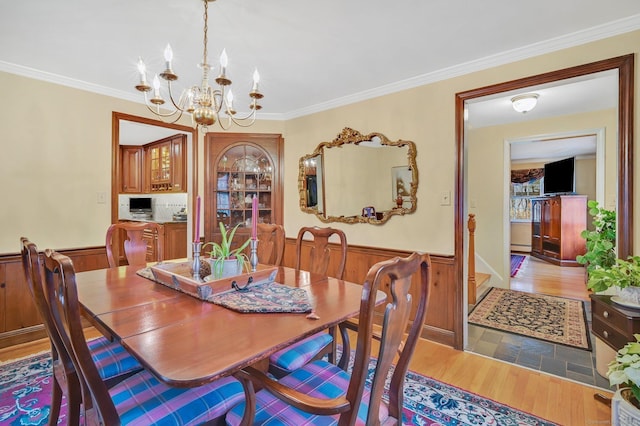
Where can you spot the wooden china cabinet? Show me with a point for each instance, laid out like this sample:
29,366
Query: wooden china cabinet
239,166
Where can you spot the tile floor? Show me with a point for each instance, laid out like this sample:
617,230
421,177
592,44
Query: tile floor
559,360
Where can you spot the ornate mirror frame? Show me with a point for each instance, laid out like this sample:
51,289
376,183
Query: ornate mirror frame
350,136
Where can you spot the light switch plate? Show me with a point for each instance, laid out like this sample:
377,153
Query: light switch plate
445,198
102,197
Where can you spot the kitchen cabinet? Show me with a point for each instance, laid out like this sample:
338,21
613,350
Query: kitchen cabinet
556,224
160,166
239,166
132,169
166,164
174,245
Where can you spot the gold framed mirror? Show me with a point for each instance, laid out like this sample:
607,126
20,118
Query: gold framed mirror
358,178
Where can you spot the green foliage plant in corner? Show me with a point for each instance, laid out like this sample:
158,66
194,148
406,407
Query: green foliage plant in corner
600,242
222,251
625,368
623,274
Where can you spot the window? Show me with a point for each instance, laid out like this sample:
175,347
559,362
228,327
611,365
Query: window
525,185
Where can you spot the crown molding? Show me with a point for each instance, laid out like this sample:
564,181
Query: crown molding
600,32
610,29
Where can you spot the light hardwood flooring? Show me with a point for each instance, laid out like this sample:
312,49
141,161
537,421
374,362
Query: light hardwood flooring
550,397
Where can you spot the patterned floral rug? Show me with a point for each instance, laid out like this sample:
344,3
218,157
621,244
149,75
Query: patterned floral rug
550,318
25,388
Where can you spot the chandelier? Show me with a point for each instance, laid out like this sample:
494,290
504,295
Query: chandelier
206,104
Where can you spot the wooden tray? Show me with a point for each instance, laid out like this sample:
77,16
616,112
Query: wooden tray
179,277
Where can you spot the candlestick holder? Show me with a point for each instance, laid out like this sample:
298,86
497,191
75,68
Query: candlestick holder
253,259
197,247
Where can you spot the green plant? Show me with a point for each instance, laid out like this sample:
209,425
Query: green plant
623,273
601,241
222,251
625,369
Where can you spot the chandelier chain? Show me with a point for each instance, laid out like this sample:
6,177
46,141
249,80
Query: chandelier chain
206,30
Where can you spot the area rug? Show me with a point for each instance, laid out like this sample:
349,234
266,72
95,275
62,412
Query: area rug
25,388
550,318
516,262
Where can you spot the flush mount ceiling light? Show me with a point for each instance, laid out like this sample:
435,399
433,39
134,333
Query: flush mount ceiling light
207,104
524,103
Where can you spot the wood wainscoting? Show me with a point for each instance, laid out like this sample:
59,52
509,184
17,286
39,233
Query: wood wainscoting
19,318
20,321
439,324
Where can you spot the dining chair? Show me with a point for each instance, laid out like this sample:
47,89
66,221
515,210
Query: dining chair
323,393
271,241
135,244
114,363
140,398
323,343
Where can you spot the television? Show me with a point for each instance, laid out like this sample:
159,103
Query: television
140,205
559,177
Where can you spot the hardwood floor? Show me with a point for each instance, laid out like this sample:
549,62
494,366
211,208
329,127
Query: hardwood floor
538,276
550,397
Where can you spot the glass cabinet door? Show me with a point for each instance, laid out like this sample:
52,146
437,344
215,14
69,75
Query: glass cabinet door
242,172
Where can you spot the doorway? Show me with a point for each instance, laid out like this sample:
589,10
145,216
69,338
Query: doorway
133,130
623,66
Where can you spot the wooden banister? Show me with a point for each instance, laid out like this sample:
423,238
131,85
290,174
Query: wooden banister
471,225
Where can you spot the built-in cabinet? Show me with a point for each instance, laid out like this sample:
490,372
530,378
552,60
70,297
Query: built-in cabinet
239,166
556,224
159,166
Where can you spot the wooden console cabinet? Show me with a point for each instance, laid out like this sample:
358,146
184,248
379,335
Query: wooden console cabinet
556,224
614,324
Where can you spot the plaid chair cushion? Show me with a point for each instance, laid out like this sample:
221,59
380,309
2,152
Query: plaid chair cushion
111,358
318,378
300,353
143,400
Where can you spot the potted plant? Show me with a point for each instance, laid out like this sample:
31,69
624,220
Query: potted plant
624,372
601,241
225,261
624,274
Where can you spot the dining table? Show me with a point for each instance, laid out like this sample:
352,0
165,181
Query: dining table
187,342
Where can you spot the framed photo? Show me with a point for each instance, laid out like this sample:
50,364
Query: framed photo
401,182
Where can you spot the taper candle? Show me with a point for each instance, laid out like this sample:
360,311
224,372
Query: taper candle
254,218
197,236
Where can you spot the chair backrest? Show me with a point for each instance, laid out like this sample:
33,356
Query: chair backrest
135,244
320,253
62,294
398,273
271,241
33,273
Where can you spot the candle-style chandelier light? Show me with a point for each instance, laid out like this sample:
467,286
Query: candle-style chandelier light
206,104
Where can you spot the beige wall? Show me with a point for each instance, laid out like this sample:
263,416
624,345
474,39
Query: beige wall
57,135
56,158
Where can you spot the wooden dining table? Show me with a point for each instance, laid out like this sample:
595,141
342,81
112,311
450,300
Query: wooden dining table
187,342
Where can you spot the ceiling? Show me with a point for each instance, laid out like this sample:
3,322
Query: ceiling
312,56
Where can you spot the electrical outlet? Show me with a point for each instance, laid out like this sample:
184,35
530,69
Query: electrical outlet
445,198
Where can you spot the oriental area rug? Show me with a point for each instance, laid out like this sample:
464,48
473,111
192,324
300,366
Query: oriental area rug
550,318
25,388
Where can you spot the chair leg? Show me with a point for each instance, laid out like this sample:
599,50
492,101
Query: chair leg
56,401
74,400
